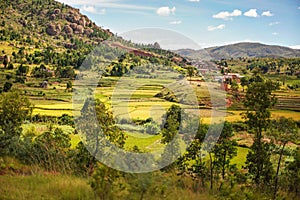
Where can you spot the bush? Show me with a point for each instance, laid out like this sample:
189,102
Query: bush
7,86
151,128
66,119
50,151
41,72
10,66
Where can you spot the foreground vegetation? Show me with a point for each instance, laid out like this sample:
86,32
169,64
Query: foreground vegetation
228,171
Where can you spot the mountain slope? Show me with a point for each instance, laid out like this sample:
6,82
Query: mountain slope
35,32
241,50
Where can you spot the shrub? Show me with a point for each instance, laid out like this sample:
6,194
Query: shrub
7,86
151,128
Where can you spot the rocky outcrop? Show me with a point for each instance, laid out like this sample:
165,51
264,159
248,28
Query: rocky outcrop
82,22
88,31
79,29
56,11
58,27
53,30
73,18
73,26
73,23
52,17
68,30
70,46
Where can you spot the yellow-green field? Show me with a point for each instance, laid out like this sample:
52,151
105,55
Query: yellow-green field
142,103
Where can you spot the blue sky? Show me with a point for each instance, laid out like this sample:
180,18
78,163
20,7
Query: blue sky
207,22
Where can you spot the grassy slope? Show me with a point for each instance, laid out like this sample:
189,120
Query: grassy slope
44,187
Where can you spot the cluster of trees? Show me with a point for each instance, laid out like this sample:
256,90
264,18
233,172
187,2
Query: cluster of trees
287,66
50,57
290,66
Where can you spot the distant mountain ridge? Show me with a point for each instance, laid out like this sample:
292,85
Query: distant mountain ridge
245,49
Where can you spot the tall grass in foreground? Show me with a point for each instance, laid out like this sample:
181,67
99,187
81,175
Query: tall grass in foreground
44,187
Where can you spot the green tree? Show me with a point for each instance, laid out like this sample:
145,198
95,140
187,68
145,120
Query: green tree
244,82
140,184
225,149
170,136
192,161
100,128
171,124
83,162
65,72
99,133
14,109
191,72
50,150
41,72
22,70
282,131
105,182
69,85
292,175
235,90
10,66
7,86
5,61
259,99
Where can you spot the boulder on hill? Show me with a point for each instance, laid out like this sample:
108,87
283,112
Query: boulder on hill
68,30
88,31
58,27
73,18
156,45
52,17
73,26
82,22
56,11
79,29
52,30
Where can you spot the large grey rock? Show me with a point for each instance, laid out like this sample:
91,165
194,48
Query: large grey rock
68,30
51,30
79,29
82,22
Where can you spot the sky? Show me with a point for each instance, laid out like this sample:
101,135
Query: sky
206,22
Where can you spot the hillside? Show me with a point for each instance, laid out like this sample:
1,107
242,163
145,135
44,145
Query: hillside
42,22
241,50
36,32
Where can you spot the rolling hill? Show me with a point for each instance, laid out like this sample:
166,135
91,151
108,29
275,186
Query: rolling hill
245,49
35,32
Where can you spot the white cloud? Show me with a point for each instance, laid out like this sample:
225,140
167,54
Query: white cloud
176,22
225,15
274,23
92,9
295,46
267,14
212,28
165,11
106,4
251,13
299,7
102,11
275,33
193,0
